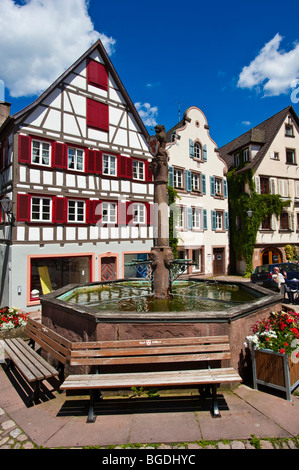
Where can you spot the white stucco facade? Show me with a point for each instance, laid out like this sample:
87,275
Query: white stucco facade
198,175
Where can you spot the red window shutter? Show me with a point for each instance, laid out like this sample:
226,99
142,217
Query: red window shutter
59,155
98,162
125,167
148,172
97,115
122,213
90,161
98,211
23,207
24,149
90,212
97,74
59,210
149,213
129,211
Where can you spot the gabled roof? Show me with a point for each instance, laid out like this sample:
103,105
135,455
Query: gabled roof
110,68
262,134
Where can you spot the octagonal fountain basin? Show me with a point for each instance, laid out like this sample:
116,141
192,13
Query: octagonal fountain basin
127,310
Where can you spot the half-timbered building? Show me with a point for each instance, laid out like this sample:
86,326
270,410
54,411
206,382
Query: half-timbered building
75,164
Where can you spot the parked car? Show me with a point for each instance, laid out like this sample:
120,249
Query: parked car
262,275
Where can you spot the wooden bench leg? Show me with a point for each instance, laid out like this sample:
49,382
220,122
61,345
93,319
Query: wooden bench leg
215,412
91,414
34,398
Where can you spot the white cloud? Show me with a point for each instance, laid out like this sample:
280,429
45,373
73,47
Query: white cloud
147,113
273,70
40,39
246,123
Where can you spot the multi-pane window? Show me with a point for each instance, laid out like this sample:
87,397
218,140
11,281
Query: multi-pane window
218,186
284,221
237,159
219,220
265,188
40,153
197,150
289,130
76,211
195,218
195,182
178,178
109,165
139,213
290,156
246,155
180,217
109,213
266,223
75,159
138,170
40,209
297,222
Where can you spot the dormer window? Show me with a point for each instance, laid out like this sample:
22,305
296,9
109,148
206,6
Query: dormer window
246,155
236,159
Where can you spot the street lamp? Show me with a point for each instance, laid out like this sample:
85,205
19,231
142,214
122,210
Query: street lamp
6,205
249,213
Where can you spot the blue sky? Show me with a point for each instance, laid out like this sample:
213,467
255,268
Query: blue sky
237,61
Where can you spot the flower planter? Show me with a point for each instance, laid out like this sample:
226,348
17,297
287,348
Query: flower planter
275,370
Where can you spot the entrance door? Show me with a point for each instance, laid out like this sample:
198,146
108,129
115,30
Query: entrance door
270,256
108,268
218,261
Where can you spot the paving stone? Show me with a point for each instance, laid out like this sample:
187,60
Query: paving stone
266,445
292,444
15,433
28,445
194,446
8,424
248,445
221,445
237,445
22,438
4,441
2,412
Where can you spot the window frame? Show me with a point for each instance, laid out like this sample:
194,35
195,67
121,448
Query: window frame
109,173
41,143
288,150
76,213
111,218
41,208
196,218
219,217
140,164
198,154
76,149
196,176
178,173
137,219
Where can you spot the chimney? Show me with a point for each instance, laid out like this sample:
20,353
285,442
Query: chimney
4,107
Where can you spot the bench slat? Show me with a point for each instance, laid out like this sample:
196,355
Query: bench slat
150,342
48,340
39,362
150,379
22,362
150,359
150,351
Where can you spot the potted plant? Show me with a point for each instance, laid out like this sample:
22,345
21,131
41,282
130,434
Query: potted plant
275,352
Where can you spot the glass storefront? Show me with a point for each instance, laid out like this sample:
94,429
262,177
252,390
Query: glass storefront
49,274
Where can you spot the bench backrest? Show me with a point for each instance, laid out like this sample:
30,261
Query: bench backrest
56,345
152,351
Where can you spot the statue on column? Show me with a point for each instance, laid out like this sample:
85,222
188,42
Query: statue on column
161,253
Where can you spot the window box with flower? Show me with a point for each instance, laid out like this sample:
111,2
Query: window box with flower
275,352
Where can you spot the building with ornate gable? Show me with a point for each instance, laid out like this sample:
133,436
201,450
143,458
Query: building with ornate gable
198,174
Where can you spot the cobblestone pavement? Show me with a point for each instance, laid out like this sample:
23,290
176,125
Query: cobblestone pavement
12,437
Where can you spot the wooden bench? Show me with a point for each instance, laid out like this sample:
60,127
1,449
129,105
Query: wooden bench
153,353
29,362
56,345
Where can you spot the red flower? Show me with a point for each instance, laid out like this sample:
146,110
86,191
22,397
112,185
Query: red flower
282,351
